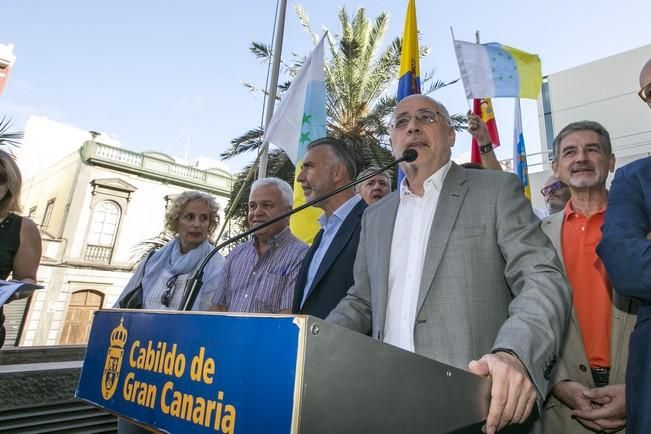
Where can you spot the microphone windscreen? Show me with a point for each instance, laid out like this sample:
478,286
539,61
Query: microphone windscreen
409,155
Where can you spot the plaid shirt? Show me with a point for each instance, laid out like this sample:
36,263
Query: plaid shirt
253,284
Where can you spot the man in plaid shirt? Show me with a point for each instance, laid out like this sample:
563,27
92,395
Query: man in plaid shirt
259,275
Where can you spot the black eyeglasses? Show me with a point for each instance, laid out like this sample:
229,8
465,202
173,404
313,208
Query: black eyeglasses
645,93
167,296
549,189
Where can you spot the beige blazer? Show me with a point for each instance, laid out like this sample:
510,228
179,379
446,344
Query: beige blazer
573,364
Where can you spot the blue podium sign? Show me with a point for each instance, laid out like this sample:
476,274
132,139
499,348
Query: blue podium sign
194,372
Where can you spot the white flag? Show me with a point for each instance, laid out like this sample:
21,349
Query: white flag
300,117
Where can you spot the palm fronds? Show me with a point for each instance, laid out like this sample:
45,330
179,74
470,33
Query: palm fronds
9,138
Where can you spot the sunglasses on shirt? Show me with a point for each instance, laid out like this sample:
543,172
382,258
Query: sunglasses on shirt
167,296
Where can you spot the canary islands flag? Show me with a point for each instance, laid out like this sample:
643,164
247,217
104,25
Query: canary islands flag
519,152
299,119
495,70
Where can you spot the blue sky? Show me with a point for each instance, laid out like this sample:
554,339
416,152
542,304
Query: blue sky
167,76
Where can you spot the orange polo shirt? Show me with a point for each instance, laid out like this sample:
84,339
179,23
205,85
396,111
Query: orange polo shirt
591,288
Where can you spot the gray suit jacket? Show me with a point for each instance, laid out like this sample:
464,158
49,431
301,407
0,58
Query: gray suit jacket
491,278
573,364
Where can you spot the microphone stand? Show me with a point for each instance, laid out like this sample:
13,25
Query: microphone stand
194,285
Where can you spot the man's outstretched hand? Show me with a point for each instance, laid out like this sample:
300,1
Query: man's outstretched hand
513,395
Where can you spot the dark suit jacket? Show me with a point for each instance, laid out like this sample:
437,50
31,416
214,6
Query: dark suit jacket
335,273
626,253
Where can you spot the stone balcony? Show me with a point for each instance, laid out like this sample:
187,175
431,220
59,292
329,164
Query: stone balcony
157,166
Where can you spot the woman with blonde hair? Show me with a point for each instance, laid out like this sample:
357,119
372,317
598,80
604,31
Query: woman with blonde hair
159,280
20,241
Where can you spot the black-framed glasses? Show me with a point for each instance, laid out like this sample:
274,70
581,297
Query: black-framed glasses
167,296
645,93
549,189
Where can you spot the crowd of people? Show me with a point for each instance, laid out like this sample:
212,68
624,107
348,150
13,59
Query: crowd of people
454,265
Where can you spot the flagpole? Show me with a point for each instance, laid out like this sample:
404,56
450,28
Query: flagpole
476,41
273,84
454,39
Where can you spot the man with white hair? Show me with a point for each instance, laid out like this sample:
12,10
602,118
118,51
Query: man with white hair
259,275
374,188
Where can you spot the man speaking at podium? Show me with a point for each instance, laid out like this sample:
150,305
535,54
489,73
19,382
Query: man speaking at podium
453,266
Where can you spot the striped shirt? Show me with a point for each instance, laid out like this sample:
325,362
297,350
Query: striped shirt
249,283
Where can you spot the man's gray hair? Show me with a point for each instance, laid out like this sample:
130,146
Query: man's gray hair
341,151
368,171
593,126
285,190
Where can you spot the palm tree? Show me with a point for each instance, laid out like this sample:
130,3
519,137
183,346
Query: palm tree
7,138
143,248
358,77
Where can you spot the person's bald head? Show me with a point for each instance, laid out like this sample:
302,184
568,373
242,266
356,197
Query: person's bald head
645,83
645,74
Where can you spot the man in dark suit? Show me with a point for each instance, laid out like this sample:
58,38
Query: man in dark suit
625,250
327,270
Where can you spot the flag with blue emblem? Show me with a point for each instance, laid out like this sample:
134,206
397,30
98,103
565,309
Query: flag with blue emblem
299,119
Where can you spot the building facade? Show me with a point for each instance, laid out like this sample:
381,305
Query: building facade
94,206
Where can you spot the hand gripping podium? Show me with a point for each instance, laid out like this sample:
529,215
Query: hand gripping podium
200,372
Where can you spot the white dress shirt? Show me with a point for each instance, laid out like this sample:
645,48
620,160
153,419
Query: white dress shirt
408,248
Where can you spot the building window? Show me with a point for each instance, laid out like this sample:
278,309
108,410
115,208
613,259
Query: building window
79,317
102,232
47,215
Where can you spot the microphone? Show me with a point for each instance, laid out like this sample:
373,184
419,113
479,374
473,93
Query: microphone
193,286
408,156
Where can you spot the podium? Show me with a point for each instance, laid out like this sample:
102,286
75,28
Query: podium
204,372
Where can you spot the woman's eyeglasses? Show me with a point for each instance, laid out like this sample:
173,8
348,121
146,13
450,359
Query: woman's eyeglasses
549,189
167,296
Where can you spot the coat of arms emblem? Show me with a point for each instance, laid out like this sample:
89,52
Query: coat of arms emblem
113,362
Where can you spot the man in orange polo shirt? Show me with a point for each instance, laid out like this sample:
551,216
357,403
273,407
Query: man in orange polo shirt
588,393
